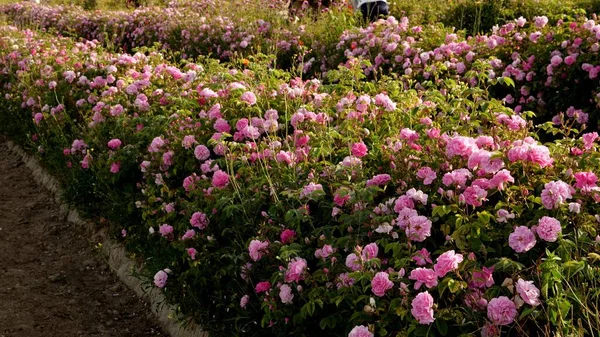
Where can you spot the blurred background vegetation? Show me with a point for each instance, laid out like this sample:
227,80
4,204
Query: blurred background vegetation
472,16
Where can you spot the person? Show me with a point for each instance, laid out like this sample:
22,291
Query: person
371,9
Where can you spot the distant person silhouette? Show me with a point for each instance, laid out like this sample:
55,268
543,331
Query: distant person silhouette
371,9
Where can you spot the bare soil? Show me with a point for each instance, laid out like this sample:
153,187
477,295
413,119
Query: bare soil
53,282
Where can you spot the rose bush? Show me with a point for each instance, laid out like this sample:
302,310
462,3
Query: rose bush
266,204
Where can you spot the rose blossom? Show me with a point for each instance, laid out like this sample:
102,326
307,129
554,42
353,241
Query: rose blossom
501,310
381,283
360,331
160,279
548,229
529,293
295,269
285,293
423,276
256,249
522,239
422,308
447,262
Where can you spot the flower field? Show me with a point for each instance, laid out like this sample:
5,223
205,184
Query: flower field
391,180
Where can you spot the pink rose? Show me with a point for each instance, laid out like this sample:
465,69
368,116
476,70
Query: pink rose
422,308
424,276
160,279
295,269
422,257
115,167
199,220
201,152
263,286
501,310
220,179
286,236
555,193
529,293
248,97
427,174
522,239
548,229
244,301
257,248
447,262
370,251
360,331
418,228
483,278
285,293
359,149
381,283
114,144
353,262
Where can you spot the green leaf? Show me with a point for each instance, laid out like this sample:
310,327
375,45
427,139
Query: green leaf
442,327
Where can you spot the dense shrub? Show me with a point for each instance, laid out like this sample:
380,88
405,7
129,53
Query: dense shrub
265,204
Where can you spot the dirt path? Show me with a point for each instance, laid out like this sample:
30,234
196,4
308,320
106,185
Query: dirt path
52,282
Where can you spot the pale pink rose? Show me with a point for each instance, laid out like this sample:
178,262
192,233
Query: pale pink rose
295,270
165,230
501,311
309,189
188,141
422,257
244,301
589,139
190,233
529,292
379,180
556,193
199,220
548,229
474,195
360,331
447,262
522,239
222,126
381,283
483,278
285,294
257,248
370,251
201,152
353,262
248,97
160,279
220,179
424,276
427,174
460,146
418,228
324,252
422,308
156,145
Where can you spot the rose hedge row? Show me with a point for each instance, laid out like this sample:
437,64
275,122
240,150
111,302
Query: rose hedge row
264,204
554,67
